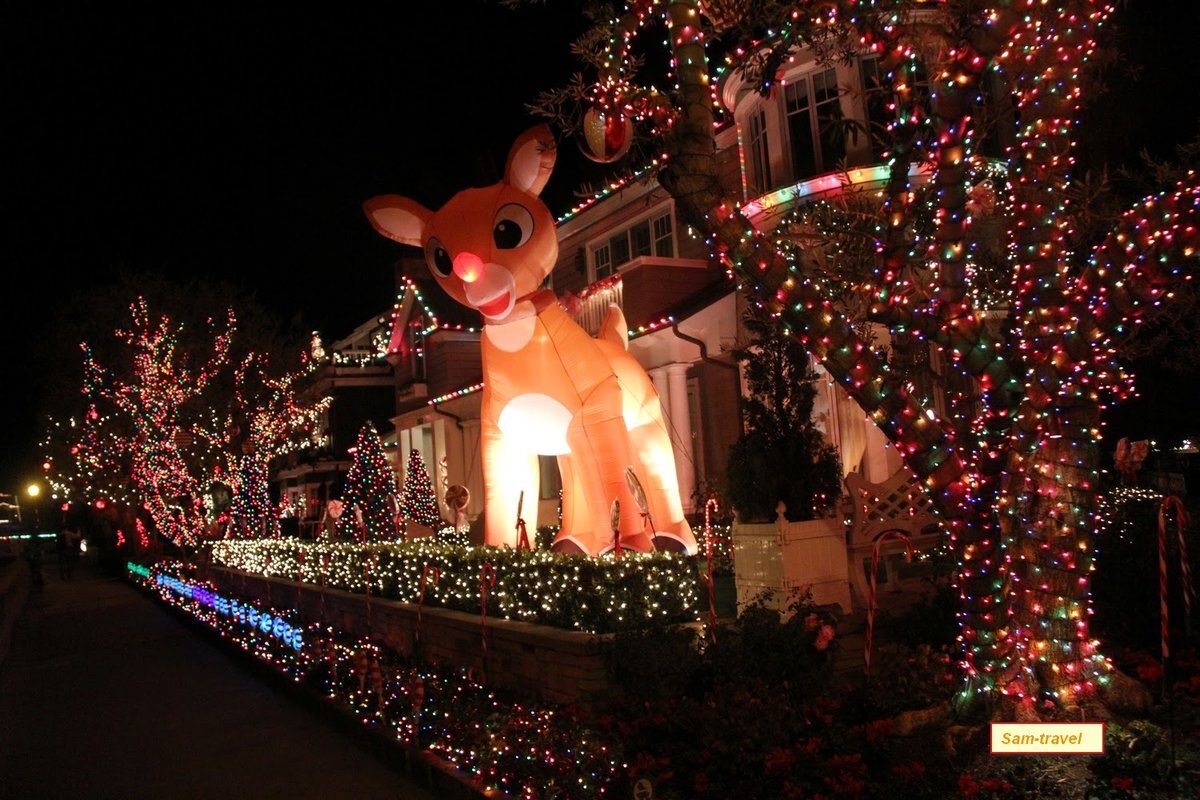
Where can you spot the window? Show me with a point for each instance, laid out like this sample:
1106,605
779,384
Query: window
759,155
814,118
649,237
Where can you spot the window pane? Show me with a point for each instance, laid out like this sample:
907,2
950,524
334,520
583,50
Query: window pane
800,130
796,96
829,118
639,236
663,244
603,261
760,158
619,246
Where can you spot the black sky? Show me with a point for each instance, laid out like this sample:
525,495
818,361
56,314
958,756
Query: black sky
236,143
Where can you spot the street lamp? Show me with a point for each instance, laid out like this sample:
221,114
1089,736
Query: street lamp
34,491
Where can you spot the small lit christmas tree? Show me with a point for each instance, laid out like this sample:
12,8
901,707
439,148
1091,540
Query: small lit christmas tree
419,501
370,491
251,507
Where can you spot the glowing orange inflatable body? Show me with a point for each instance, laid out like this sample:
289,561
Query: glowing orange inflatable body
549,387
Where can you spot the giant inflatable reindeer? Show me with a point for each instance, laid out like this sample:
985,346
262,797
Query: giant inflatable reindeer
549,388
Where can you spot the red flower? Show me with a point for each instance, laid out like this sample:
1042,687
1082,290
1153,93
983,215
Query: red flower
778,761
824,637
1148,670
700,784
1124,784
967,785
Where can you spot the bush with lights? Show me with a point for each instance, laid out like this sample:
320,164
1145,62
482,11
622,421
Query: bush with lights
586,594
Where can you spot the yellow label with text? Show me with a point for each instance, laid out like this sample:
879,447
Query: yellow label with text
1047,738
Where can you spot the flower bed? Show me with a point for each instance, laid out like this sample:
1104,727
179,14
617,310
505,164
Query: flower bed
521,750
597,595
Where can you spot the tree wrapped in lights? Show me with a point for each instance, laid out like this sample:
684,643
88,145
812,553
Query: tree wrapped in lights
270,419
1014,468
153,398
418,499
369,497
251,511
165,417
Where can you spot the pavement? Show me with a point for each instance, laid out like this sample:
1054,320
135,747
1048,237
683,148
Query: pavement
107,694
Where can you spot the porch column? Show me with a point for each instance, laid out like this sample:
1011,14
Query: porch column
681,434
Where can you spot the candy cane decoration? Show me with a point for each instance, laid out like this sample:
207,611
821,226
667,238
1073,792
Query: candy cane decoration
908,553
487,578
266,577
710,507
1181,522
324,576
300,578
614,521
369,568
523,538
425,573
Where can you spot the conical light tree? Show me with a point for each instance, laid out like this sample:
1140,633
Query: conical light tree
1014,470
251,509
369,496
418,499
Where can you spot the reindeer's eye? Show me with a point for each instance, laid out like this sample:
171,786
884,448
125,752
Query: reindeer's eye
514,224
438,259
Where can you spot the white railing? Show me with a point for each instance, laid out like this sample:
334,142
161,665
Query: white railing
589,307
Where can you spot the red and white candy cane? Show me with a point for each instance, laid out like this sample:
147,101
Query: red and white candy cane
709,507
1181,523
300,578
324,576
266,577
425,573
908,553
487,580
369,565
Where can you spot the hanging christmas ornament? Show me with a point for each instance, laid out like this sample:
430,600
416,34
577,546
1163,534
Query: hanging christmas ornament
605,136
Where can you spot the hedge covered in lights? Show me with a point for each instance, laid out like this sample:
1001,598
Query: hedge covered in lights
500,743
597,595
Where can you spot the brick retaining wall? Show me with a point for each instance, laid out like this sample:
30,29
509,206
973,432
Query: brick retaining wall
557,665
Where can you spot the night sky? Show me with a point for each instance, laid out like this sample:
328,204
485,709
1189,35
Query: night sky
230,143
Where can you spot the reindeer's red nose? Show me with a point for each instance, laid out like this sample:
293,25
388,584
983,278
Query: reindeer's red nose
468,267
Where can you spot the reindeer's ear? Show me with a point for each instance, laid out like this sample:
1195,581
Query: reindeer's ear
530,160
398,218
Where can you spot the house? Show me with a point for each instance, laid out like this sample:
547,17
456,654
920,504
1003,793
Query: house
355,373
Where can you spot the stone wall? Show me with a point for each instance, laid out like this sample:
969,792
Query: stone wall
556,665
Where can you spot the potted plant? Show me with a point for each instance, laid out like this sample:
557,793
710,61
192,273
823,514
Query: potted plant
782,457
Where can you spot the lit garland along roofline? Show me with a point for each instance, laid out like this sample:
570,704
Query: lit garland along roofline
466,390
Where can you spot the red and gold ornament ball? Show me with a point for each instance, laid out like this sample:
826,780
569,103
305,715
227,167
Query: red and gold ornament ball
606,135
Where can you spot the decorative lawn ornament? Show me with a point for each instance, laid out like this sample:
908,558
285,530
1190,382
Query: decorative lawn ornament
457,499
549,387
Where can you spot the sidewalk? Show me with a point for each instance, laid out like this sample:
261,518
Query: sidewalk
106,695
